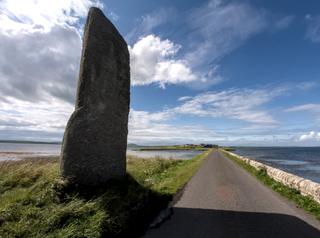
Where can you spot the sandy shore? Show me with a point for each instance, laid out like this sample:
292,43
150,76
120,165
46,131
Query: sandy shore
23,155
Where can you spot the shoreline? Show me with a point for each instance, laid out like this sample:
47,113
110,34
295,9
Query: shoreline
303,162
19,155
14,156
302,192
305,186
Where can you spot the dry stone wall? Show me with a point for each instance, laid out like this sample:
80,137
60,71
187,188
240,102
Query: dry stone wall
305,186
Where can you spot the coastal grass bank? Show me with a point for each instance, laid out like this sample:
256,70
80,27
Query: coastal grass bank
35,202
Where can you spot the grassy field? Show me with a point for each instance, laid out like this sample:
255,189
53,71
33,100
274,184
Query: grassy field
35,202
305,202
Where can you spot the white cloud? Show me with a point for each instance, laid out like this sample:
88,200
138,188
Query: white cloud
43,121
39,63
162,133
313,29
157,127
244,105
214,30
46,120
143,118
185,98
152,61
35,121
240,104
147,23
40,48
310,109
235,104
31,15
284,22
311,136
305,107
220,27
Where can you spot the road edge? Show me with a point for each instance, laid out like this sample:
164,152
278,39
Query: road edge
166,213
306,202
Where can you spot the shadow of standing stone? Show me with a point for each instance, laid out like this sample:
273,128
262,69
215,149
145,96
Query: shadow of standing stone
95,140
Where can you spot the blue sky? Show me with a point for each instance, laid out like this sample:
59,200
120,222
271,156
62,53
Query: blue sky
227,72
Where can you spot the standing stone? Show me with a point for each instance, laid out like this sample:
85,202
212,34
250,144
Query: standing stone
95,140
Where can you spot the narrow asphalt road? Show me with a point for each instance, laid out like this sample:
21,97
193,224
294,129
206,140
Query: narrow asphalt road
223,200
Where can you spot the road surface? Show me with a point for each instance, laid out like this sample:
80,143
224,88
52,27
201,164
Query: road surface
223,200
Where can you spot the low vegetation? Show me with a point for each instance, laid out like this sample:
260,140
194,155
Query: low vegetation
228,149
35,202
304,202
201,147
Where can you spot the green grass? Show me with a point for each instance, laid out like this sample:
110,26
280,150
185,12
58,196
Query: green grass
164,176
35,202
304,202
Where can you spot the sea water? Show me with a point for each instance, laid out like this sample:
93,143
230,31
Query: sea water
302,161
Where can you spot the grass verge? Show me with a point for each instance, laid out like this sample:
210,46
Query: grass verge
304,202
35,202
156,148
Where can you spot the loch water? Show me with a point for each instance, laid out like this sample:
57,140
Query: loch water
12,151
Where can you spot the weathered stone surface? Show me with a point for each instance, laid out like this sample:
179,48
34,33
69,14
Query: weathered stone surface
95,139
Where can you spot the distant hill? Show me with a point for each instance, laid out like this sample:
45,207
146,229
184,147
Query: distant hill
133,145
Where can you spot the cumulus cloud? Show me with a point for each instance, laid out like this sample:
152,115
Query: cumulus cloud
311,136
40,48
213,30
41,45
313,29
31,15
152,61
36,64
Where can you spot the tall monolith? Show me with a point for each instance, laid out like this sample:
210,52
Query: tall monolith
95,140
